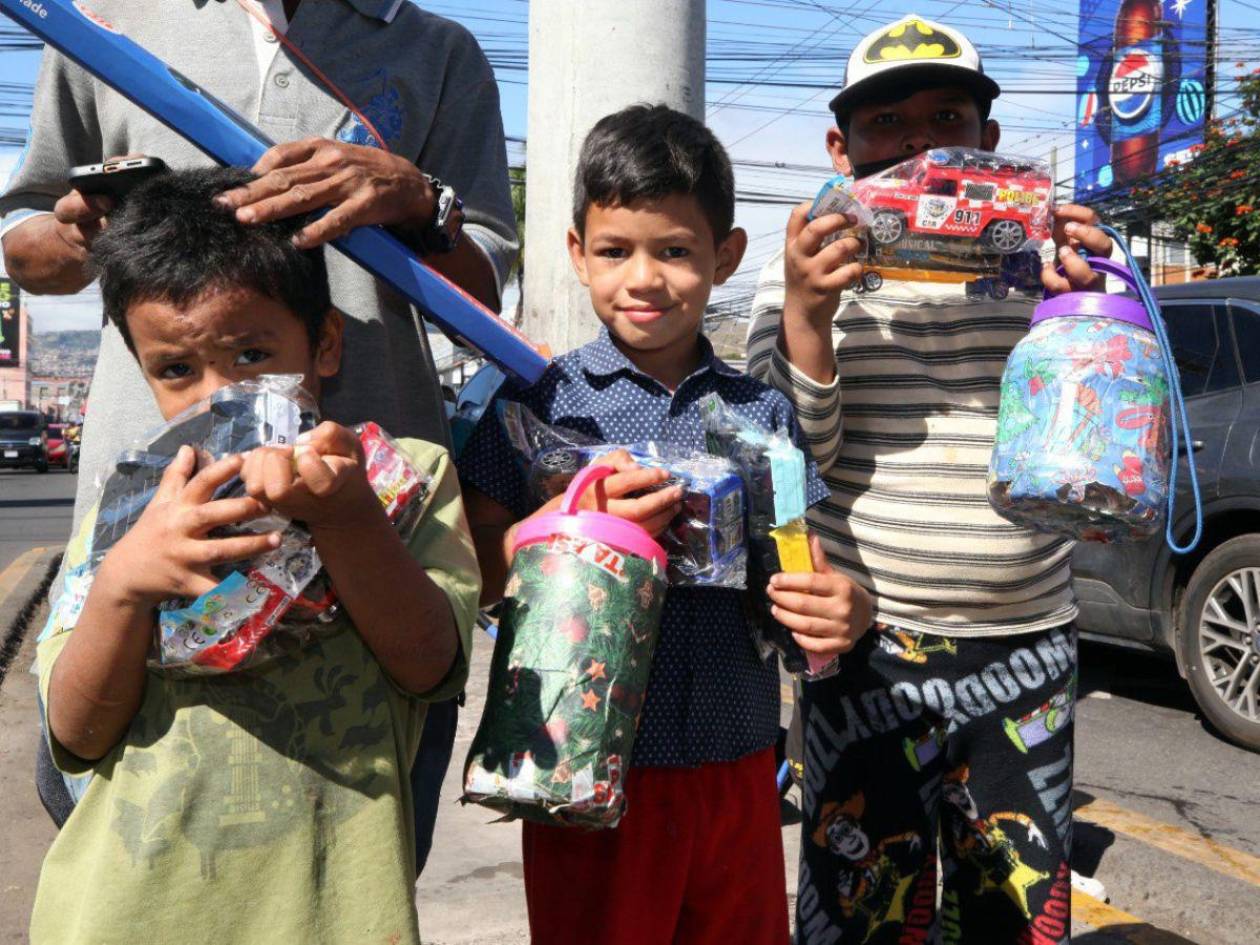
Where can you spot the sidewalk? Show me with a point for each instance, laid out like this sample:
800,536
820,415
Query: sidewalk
25,830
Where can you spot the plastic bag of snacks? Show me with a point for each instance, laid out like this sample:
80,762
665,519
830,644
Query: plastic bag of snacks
705,541
951,215
581,616
263,607
773,470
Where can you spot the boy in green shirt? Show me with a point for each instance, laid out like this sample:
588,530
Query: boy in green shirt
272,803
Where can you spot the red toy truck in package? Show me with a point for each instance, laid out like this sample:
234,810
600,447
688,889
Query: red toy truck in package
998,202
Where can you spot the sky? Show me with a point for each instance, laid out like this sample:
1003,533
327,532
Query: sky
759,51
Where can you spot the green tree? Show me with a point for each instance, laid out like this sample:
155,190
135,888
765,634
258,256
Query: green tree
1213,201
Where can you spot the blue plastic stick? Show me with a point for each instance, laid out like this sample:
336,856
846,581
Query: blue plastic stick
228,138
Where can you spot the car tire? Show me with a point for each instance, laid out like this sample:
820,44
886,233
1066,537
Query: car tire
41,467
872,281
1221,598
887,227
1004,236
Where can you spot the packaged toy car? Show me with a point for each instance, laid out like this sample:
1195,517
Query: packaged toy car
265,606
705,542
954,215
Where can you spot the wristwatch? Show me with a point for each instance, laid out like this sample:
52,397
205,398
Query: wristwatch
442,232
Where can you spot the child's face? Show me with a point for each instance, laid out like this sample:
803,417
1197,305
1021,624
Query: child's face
188,353
931,118
650,268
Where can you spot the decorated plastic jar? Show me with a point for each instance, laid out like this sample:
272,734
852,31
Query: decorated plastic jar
581,617
1082,445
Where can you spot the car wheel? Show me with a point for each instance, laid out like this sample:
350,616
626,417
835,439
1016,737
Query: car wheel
1005,236
999,290
1219,639
887,227
872,281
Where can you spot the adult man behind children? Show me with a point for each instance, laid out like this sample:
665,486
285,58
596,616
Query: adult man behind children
423,84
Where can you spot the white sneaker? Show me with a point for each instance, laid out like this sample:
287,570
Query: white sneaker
1090,887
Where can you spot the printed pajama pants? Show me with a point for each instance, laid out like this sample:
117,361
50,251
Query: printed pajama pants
925,743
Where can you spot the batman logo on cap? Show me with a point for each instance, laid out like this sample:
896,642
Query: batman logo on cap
912,39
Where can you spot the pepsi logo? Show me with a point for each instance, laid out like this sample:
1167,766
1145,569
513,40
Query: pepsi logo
1136,78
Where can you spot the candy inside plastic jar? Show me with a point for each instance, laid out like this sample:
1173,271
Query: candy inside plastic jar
1082,444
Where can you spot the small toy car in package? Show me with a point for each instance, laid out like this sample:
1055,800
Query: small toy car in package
953,215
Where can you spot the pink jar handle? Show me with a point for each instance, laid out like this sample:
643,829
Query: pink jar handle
587,476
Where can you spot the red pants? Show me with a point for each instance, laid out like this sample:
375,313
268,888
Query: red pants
697,859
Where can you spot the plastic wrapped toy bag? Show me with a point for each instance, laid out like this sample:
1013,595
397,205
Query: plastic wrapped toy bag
266,606
705,541
773,470
581,617
952,215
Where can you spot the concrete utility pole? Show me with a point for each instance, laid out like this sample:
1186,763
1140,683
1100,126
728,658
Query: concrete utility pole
586,60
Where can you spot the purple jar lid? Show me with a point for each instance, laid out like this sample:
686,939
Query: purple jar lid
1093,305
1097,304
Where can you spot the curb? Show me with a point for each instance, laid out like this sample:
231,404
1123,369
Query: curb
29,594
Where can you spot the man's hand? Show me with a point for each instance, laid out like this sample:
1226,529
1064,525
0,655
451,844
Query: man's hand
1075,227
322,483
80,219
826,611
168,553
816,274
653,511
361,185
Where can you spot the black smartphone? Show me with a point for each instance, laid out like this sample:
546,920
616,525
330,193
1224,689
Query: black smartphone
115,178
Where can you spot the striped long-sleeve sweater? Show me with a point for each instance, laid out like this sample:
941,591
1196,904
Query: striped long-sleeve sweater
918,370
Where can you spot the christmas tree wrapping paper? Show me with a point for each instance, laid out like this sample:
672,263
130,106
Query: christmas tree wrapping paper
579,624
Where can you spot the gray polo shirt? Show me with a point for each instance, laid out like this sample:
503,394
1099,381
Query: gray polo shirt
421,80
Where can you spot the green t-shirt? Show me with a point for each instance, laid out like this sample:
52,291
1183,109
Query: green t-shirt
267,805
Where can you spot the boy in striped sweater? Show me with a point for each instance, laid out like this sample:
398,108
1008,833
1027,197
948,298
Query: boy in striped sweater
954,722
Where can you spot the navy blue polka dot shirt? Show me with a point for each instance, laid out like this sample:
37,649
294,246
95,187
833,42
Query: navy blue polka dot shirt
710,697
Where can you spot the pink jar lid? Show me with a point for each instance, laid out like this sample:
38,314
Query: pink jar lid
616,533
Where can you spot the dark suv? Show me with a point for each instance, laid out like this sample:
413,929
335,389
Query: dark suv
1203,607
23,439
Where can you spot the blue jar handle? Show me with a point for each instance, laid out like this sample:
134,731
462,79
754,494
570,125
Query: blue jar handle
1179,422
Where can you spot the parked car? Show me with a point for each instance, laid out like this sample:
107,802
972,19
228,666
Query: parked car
23,440
60,448
1202,608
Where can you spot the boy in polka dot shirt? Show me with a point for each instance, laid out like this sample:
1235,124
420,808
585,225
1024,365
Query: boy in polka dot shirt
698,856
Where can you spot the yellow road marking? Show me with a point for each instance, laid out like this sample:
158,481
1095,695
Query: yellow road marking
1117,922
1189,846
13,575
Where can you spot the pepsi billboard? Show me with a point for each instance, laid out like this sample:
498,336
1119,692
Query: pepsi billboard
1141,90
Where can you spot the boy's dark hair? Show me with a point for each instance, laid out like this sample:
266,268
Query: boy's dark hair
892,93
169,242
646,152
